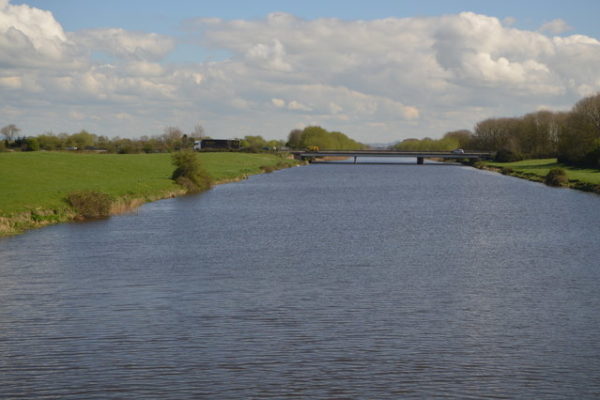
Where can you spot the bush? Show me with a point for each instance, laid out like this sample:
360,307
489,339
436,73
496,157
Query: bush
90,204
32,144
189,172
268,168
505,155
556,177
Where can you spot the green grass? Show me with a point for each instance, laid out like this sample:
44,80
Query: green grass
226,166
541,167
42,180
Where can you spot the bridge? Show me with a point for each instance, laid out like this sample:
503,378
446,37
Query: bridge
419,155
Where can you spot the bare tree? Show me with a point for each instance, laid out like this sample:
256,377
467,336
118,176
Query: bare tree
198,132
579,141
172,133
588,110
172,138
10,131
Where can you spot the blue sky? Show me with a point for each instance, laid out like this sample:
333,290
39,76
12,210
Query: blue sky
384,71
166,16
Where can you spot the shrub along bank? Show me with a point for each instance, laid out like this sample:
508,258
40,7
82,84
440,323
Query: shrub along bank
41,188
548,171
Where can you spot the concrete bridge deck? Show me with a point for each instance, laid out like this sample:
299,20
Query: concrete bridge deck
419,155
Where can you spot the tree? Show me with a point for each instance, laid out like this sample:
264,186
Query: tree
190,172
49,141
254,143
463,137
82,140
197,132
579,140
172,138
498,134
10,132
539,134
295,139
31,144
325,140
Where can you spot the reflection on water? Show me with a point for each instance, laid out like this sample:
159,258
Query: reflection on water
326,281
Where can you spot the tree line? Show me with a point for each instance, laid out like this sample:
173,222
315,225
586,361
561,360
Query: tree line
573,136
321,138
171,140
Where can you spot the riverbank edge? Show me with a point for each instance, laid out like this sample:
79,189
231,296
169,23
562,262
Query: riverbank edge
571,184
36,218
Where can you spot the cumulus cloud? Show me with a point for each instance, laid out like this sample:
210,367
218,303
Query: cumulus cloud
270,56
30,37
389,78
124,44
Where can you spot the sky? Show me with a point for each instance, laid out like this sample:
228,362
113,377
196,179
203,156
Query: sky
379,71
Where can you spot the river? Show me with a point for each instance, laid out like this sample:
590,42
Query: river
329,281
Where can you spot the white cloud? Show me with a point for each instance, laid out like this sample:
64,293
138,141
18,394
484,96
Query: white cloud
378,80
279,103
556,26
296,105
125,44
144,68
270,56
31,37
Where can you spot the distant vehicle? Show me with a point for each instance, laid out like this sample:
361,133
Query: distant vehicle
312,148
217,144
458,151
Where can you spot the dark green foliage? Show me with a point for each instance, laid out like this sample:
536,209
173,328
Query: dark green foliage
189,172
579,140
32,144
90,204
505,155
294,139
556,177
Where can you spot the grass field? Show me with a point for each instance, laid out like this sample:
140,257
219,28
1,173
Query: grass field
41,180
541,167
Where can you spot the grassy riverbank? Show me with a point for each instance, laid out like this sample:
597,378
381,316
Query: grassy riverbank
537,169
33,185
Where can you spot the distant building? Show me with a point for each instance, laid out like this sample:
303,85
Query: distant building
217,144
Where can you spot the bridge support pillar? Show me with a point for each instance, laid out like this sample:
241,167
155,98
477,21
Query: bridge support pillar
420,160
355,159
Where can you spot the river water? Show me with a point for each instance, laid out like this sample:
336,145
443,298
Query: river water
329,281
